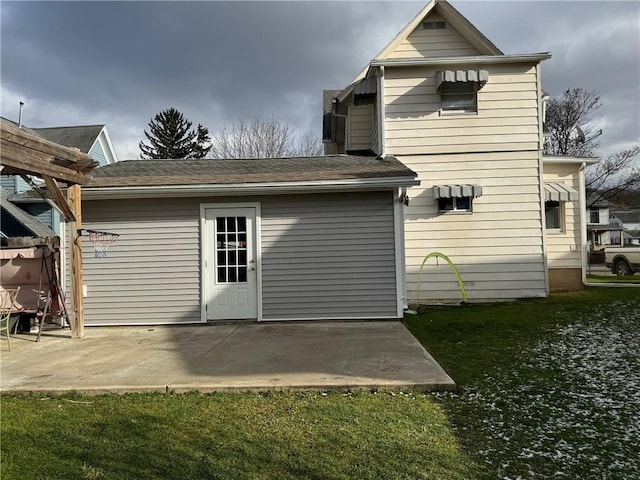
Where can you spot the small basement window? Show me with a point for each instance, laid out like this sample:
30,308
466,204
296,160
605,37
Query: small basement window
455,204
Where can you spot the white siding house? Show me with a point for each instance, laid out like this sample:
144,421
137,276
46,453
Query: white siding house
468,119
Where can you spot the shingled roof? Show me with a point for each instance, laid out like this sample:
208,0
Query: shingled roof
27,221
82,137
268,170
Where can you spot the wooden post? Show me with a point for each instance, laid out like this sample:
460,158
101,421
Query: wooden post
74,198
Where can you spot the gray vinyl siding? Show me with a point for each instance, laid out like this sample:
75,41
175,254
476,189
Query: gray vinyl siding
97,154
8,183
21,185
328,256
152,273
323,256
43,212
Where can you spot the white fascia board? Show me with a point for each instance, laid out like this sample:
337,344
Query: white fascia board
566,159
476,60
110,151
387,183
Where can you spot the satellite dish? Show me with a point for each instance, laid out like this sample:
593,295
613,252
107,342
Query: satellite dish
581,137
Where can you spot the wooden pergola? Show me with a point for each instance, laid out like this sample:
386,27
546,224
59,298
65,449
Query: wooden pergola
24,153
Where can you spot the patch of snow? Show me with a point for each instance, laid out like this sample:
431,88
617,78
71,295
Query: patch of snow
580,415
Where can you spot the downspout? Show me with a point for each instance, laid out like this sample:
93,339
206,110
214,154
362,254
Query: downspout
583,222
381,112
545,260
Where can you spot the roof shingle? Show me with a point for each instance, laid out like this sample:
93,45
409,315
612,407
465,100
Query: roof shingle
267,170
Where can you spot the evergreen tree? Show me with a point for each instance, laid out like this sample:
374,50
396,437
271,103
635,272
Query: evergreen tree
171,136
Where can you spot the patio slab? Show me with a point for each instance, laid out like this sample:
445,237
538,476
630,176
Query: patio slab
318,355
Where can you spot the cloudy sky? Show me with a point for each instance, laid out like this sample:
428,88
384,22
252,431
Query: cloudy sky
119,63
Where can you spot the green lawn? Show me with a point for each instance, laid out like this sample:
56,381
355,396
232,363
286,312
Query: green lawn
316,435
613,279
549,388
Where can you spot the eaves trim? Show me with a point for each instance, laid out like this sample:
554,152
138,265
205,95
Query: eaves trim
276,188
477,60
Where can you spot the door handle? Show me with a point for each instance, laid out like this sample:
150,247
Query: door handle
252,265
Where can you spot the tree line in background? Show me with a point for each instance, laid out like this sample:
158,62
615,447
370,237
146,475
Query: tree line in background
171,136
572,131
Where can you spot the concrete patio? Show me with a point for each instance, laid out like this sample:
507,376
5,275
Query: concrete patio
324,355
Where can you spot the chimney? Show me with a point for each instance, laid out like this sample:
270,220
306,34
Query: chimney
20,115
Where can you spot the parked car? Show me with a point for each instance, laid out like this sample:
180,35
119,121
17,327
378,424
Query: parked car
622,260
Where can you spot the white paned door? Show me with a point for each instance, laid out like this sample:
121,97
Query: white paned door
230,263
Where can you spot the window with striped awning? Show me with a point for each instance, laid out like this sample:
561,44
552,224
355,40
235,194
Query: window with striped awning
456,191
559,192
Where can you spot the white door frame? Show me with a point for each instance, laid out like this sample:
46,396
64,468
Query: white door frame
205,253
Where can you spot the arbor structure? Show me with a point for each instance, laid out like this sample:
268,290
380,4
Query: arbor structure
171,136
263,138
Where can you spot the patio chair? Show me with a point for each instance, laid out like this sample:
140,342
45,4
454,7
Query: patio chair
7,301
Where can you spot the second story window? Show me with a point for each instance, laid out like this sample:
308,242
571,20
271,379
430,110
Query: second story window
459,89
459,97
594,215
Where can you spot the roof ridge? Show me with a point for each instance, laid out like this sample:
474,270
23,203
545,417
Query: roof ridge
70,126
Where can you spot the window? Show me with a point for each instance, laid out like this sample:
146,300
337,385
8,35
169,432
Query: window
594,215
231,249
459,97
434,25
455,204
553,215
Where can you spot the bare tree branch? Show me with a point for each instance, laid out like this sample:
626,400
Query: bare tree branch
616,174
570,126
262,138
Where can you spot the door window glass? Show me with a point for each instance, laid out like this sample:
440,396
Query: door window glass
231,249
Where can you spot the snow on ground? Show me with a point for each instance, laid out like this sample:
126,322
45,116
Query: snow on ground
571,409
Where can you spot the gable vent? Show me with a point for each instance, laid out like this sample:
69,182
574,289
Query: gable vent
433,25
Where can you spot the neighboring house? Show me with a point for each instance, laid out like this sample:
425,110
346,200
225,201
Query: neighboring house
600,231
265,239
93,140
629,221
15,222
468,119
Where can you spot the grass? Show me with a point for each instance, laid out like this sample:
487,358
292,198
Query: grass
311,435
635,279
548,388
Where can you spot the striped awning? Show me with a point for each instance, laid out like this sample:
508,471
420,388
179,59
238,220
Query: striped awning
365,91
559,192
461,76
457,191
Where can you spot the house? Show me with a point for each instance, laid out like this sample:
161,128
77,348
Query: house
468,119
15,222
601,231
266,239
629,221
93,140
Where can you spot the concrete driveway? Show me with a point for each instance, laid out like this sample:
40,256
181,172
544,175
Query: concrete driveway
326,355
